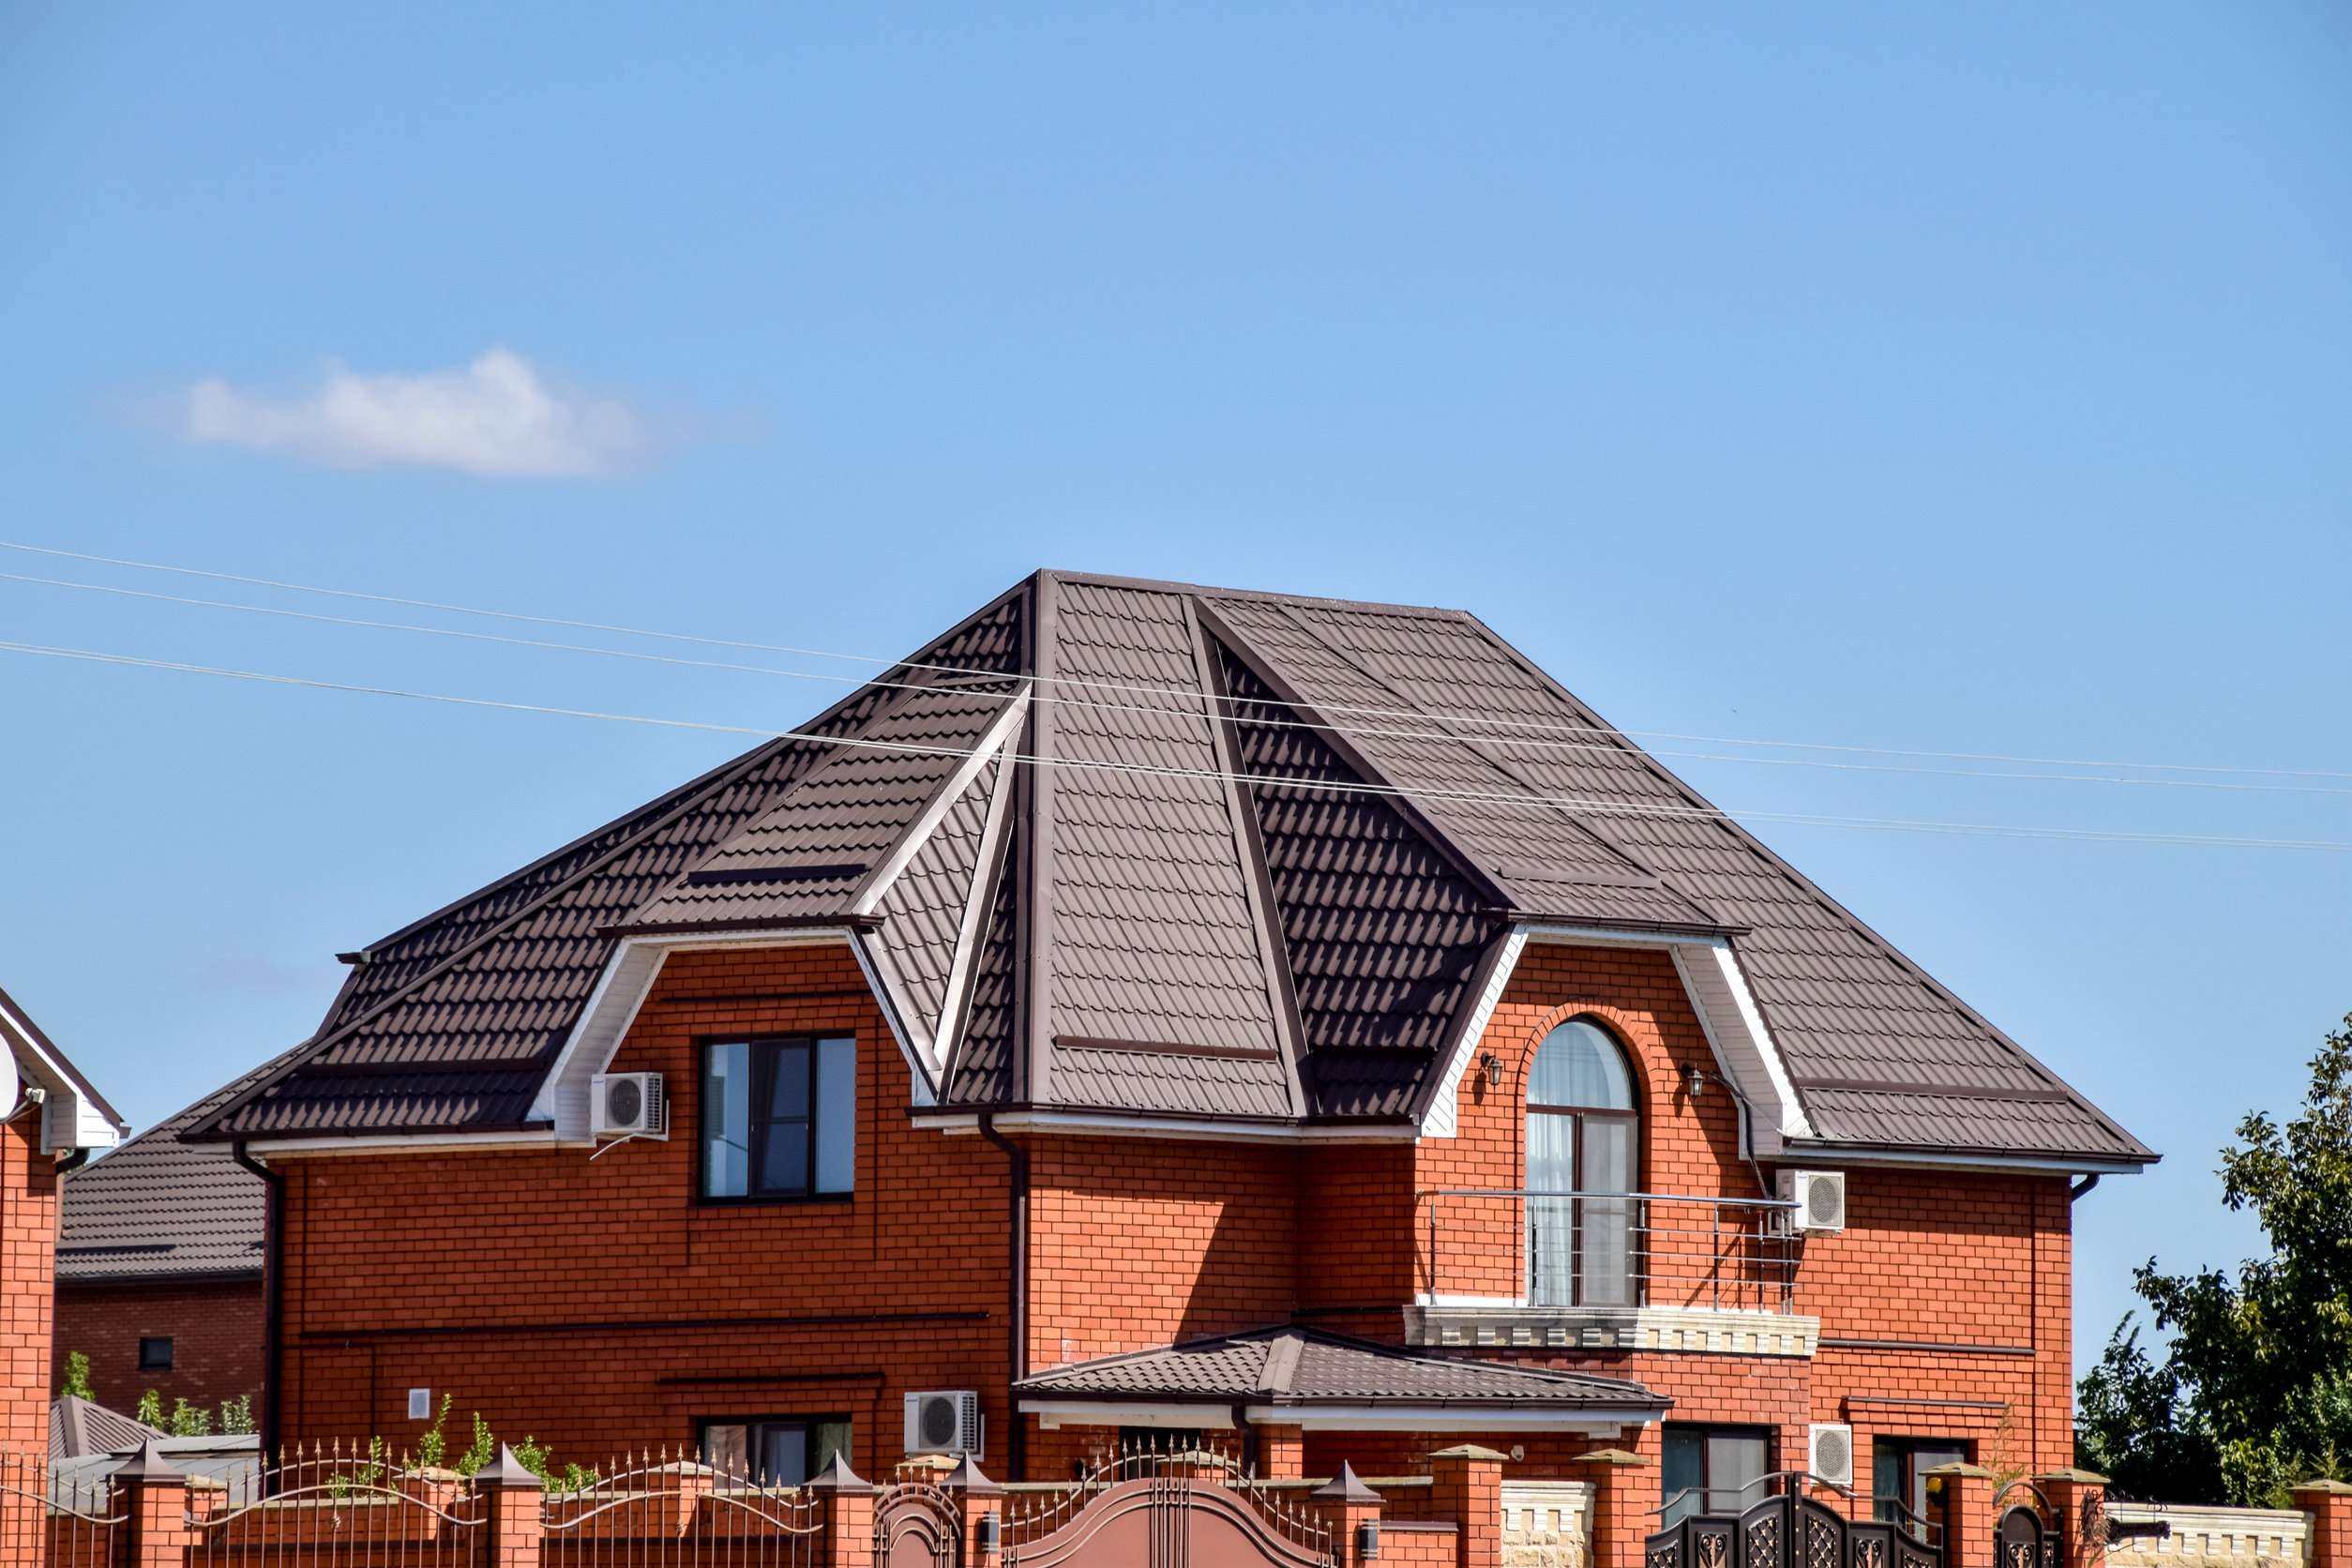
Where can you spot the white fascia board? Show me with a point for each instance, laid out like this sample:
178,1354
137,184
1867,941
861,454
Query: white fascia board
911,842
1719,994
1442,1118
621,990
69,1119
1835,1157
1054,1413
527,1138
900,1020
1443,1418
1080,1123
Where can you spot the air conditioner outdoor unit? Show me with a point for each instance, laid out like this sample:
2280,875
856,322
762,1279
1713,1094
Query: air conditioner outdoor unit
1820,1197
1829,1452
945,1423
627,1105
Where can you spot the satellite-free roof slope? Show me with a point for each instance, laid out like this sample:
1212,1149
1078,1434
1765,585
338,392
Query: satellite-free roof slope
1254,848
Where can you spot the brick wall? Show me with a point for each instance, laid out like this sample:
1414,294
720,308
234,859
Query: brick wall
215,1328
598,1305
28,1261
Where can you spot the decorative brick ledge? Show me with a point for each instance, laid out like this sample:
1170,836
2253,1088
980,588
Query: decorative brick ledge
1697,1331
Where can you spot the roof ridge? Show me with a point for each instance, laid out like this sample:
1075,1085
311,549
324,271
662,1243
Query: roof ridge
1199,590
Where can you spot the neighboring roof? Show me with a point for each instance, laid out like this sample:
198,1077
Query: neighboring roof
78,1426
161,1208
1125,928
78,1116
1293,1365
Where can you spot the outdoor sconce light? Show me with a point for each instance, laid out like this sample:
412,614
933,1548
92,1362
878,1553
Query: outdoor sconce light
1693,1081
1368,1532
986,1534
1491,1066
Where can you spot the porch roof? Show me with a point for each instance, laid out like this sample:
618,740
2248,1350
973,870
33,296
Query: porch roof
1289,1365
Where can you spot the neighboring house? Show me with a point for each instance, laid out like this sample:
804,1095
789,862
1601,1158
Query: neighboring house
159,1267
1440,1081
55,1121
88,1442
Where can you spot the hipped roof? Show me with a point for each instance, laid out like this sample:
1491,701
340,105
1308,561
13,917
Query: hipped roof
1096,915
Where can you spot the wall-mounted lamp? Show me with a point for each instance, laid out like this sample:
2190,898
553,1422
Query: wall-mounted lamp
1368,1540
1491,1066
1693,1081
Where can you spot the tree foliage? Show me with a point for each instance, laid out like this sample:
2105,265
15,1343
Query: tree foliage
2254,1392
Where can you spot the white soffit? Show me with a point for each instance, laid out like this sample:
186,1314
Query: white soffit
1719,993
69,1118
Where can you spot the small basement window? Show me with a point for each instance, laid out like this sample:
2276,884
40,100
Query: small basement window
779,1118
155,1352
774,1451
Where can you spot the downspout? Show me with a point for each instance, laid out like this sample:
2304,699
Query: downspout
273,1292
2081,1189
1016,1447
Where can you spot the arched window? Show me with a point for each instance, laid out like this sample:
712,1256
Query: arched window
1583,1144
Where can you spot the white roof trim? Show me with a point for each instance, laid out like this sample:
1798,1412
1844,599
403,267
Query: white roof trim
1719,993
1835,1157
905,1028
911,842
1085,1123
1054,1413
71,1119
528,1138
1445,1418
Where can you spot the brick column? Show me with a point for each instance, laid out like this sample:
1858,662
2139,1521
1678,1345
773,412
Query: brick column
2069,1492
982,1503
154,1494
1469,1490
1968,1519
28,1265
511,1496
1344,1506
2329,1506
1282,1453
849,1500
1622,1498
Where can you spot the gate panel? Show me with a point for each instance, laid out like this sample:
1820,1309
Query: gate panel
917,1525
1145,1510
1792,1531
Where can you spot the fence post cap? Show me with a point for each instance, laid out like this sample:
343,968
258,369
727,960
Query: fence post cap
1347,1486
837,1477
149,1464
966,1478
1961,1470
2322,1486
2074,1476
1469,1451
508,1470
1610,1456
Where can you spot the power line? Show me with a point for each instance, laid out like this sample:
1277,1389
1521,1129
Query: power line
1191,694
1607,807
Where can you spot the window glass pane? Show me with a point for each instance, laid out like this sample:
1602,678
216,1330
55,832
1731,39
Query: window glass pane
1579,1065
724,1449
1551,1167
1927,1492
727,1120
1606,1225
1886,1477
783,1454
1682,1473
836,1117
1734,1471
825,1439
784,1157
788,1088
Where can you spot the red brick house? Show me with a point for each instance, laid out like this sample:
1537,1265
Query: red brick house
1161,1009
54,1119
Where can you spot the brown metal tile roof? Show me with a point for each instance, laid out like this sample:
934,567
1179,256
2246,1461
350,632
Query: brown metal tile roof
1158,938
1293,1365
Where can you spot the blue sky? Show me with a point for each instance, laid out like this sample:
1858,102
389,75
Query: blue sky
1964,380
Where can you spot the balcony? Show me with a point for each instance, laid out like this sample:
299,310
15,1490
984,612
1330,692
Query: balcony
1615,1270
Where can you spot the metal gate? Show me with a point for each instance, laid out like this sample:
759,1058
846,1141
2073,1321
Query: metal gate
2029,1534
917,1525
1165,1511
1788,1530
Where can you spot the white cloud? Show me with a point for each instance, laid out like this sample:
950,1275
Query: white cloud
496,417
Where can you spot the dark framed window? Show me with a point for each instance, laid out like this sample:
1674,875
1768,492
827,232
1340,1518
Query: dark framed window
1583,1138
773,1450
778,1119
1901,1490
155,1352
1713,1470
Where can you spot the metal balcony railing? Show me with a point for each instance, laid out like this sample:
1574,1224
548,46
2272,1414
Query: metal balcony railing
1605,1250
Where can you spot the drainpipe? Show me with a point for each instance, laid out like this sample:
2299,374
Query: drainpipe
2082,1188
273,1292
1016,1447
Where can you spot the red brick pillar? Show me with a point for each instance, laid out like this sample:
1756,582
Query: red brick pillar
1282,1453
153,1497
1347,1508
982,1503
849,1514
2071,1492
512,1498
1467,1480
2329,1506
28,1279
1622,1498
1968,1519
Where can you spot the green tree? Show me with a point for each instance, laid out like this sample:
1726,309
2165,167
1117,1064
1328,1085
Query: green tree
190,1421
2256,1389
150,1410
236,1415
77,1376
